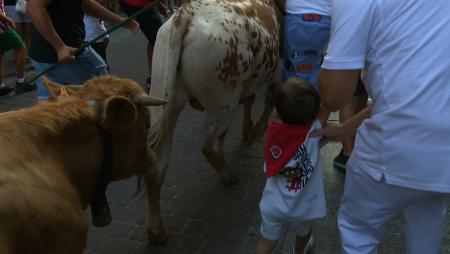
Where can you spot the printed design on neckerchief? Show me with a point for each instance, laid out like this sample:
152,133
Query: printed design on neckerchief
298,176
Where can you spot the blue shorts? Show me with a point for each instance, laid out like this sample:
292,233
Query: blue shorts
86,66
305,39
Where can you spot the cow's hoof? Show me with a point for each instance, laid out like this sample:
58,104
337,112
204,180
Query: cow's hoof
230,180
157,236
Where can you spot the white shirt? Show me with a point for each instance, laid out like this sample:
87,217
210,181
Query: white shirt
93,27
322,7
405,46
297,200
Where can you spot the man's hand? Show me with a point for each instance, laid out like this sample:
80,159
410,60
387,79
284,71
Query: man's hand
66,54
133,25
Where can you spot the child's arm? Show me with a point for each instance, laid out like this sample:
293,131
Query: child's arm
7,20
335,132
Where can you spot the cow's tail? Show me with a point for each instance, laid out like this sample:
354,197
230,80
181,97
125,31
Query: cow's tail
166,59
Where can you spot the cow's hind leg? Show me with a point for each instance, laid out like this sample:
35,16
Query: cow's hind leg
258,130
214,153
162,148
247,123
220,115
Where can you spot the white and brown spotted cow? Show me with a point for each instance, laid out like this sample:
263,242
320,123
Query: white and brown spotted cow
213,54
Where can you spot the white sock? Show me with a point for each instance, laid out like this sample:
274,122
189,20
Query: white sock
20,80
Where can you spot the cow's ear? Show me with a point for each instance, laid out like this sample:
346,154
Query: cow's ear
57,90
119,113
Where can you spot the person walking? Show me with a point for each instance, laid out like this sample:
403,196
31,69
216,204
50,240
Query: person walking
23,21
401,154
58,30
150,21
293,195
10,40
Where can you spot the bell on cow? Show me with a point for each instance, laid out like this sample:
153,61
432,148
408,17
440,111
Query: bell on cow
101,215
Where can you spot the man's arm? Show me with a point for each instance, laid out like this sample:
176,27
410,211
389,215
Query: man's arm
337,87
37,9
339,131
95,9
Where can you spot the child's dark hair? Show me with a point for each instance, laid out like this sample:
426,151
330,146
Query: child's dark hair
297,102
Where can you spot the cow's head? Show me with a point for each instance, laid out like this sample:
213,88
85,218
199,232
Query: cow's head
123,123
121,106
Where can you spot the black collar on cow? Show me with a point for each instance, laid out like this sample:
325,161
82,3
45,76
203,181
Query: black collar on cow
101,214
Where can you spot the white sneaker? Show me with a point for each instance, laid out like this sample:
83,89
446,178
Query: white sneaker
308,246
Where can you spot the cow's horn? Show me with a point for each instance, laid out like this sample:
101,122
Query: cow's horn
145,100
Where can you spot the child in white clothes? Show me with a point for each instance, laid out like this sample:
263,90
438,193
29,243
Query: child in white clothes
294,193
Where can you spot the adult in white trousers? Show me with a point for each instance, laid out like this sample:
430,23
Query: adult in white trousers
400,163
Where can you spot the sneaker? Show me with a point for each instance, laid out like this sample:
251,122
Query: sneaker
340,162
24,87
308,247
5,90
148,85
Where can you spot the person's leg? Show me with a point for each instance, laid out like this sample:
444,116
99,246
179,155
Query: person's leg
19,59
424,225
2,82
271,230
367,207
358,103
3,88
364,213
265,246
149,22
303,237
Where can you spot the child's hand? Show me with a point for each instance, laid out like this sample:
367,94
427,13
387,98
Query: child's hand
332,132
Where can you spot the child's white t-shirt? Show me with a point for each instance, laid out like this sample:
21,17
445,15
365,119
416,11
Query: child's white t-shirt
303,198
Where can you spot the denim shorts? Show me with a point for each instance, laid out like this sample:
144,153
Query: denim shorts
86,66
305,39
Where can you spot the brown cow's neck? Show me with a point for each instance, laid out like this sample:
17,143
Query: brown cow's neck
59,138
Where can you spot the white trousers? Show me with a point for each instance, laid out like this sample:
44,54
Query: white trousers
368,206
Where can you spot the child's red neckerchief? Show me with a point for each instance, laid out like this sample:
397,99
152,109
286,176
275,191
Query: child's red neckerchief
282,141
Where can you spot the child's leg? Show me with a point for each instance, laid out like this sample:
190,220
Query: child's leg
303,236
265,246
272,229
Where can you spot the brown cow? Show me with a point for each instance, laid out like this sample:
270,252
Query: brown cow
56,156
